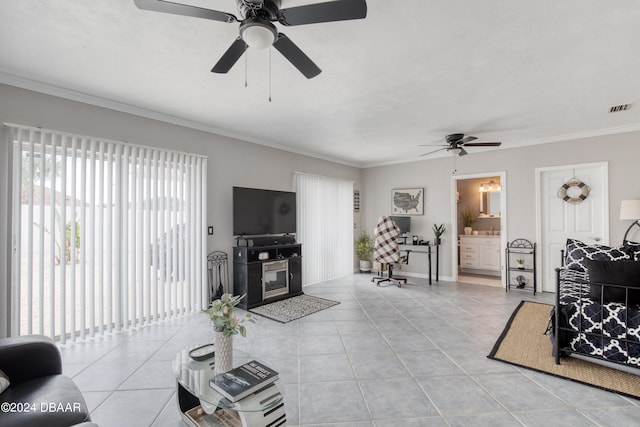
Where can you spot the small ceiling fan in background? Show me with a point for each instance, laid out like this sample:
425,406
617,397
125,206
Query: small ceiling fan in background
257,29
458,142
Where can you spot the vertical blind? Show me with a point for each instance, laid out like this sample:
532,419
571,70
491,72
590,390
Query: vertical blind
109,235
325,226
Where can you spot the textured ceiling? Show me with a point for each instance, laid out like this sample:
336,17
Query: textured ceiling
517,71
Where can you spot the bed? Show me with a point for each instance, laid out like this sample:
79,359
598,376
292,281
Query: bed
597,310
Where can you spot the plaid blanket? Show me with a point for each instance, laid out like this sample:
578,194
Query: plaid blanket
385,244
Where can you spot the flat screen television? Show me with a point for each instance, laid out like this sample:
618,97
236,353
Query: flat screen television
403,223
260,212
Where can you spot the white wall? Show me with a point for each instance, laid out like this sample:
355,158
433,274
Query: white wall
231,162
622,151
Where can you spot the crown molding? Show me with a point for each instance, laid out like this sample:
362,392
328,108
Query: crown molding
36,86
525,143
72,95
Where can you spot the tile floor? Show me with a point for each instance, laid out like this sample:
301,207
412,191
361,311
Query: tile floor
385,356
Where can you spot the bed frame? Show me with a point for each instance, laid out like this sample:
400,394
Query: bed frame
578,328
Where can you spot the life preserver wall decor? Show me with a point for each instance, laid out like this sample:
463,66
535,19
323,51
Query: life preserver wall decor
574,191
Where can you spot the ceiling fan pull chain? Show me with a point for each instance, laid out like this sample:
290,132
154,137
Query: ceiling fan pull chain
270,50
246,60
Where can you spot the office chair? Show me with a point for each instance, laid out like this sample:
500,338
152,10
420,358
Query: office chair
386,250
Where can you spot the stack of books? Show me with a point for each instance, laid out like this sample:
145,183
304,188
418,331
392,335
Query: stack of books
244,380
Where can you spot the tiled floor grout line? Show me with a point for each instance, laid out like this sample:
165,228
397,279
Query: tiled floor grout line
452,305
413,377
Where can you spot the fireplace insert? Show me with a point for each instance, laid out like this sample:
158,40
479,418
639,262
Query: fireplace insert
275,278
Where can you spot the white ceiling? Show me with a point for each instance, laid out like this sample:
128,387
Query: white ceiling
516,71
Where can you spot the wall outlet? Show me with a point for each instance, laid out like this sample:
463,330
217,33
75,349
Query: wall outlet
210,230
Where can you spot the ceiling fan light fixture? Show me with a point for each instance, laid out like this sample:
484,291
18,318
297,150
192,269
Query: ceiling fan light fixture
258,33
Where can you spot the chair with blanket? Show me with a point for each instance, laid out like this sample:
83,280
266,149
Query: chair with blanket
386,250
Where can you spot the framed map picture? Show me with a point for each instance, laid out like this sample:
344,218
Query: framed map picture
407,201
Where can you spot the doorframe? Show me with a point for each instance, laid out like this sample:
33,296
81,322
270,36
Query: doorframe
503,219
605,214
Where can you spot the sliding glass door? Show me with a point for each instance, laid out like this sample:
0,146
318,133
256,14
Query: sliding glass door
325,226
108,235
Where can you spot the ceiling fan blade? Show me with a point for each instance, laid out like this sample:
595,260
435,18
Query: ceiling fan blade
432,145
462,151
339,10
431,152
185,10
467,139
230,57
297,57
483,144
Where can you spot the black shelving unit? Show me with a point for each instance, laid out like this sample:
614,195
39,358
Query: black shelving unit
521,278
248,271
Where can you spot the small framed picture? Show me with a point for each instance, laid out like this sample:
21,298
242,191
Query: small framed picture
407,201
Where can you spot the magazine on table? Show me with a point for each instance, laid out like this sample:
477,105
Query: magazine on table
243,380
220,417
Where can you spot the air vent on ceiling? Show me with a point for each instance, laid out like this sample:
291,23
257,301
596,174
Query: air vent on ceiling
622,107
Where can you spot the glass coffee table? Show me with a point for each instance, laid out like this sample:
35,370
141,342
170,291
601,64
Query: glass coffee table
200,405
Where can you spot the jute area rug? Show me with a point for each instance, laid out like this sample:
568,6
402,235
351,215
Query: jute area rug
293,308
523,343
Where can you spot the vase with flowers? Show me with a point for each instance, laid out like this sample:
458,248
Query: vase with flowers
226,324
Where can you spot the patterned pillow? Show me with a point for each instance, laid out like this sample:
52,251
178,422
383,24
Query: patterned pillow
577,252
632,249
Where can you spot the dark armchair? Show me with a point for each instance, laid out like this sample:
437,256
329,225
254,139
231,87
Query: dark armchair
38,394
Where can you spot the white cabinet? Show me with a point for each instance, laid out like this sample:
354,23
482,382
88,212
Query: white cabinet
480,253
468,255
489,257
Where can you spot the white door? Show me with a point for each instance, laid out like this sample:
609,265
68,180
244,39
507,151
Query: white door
559,220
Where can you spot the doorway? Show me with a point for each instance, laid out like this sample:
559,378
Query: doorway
478,256
559,220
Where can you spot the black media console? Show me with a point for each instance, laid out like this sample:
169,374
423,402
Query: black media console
267,273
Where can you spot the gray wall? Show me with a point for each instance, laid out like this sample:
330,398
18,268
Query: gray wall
231,162
621,151
235,162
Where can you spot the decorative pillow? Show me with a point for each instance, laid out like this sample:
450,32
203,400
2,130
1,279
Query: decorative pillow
4,381
625,272
577,252
632,249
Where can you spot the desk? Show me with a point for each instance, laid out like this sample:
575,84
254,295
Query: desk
424,249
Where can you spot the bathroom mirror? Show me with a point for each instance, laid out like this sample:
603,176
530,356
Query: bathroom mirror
490,204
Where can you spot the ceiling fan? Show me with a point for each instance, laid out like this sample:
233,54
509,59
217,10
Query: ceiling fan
257,29
458,141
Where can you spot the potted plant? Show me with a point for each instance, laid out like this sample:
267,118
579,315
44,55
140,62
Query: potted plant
520,263
226,324
468,218
438,230
364,250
